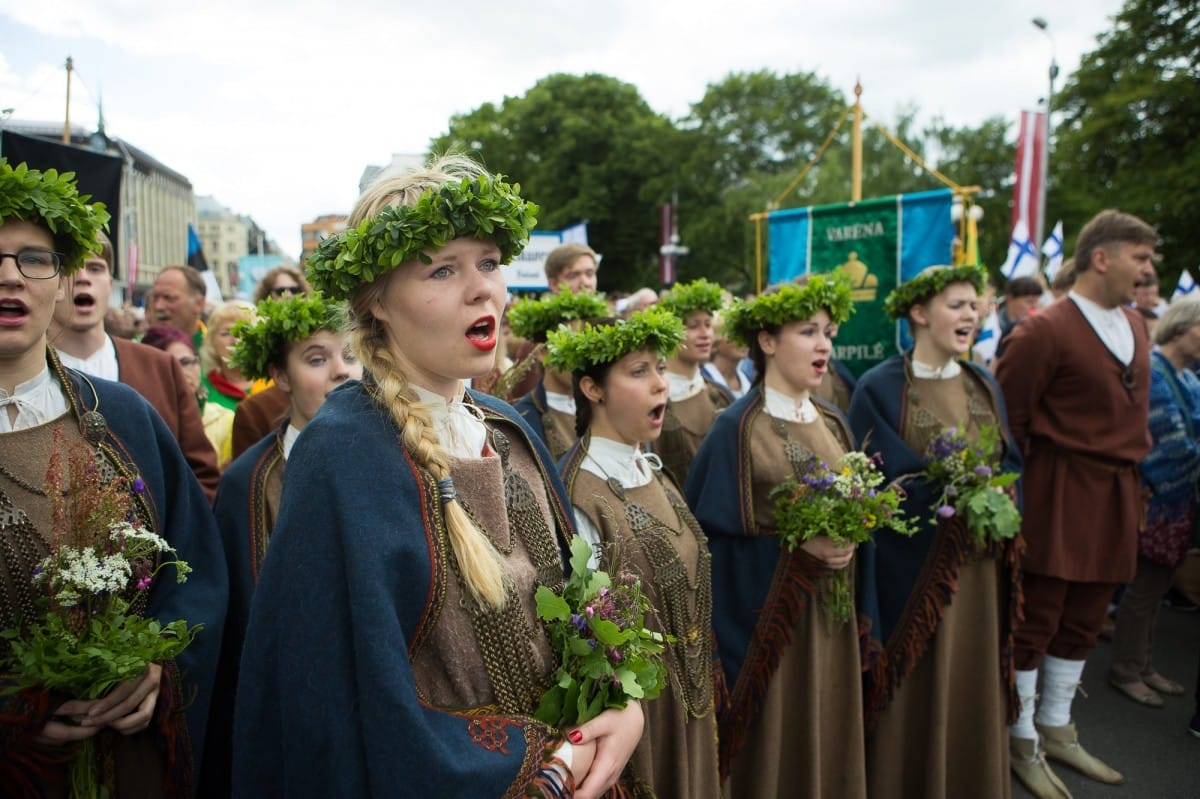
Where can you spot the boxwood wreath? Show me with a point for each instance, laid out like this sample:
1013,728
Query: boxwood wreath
929,283
533,318
790,302
280,323
51,198
577,350
483,207
699,295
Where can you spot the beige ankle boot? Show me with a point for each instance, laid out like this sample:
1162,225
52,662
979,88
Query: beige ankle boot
1033,771
1062,744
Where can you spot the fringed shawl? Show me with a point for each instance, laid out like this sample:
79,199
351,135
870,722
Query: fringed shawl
906,583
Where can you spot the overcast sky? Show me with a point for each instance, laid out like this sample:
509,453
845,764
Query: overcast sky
275,106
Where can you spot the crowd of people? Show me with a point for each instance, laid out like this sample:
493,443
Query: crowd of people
376,470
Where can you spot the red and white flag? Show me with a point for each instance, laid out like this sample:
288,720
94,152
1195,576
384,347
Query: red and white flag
1031,171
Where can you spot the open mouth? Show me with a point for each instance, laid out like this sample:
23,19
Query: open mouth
657,413
965,332
13,309
819,364
482,334
85,301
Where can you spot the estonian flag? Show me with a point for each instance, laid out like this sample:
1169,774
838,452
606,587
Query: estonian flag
195,253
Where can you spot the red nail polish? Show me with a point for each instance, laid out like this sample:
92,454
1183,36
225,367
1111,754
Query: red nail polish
575,736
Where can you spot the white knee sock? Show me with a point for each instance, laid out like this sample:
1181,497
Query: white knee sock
1027,694
1060,681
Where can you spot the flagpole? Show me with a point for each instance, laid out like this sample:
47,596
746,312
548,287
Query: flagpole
66,137
1041,24
856,146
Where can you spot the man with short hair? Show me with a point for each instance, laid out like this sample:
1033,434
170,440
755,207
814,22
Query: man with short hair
1076,379
1022,295
572,265
77,332
1146,297
177,299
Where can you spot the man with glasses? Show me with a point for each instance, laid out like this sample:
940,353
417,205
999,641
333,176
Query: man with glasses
77,332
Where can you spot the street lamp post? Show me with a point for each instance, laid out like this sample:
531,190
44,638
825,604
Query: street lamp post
1041,24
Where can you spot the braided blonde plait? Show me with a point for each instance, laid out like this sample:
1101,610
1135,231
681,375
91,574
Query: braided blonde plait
478,560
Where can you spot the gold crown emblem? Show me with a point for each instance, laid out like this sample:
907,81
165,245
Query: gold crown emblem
863,285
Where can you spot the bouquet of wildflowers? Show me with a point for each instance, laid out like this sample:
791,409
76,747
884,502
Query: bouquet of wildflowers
606,654
845,502
90,635
972,485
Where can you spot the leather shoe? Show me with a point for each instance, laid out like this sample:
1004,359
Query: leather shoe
1138,691
1062,744
1031,768
1163,685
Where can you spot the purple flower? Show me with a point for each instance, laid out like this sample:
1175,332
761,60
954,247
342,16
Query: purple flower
945,511
590,611
983,471
139,485
579,622
143,583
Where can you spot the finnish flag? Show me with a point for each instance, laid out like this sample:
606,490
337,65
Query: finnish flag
1053,250
1185,286
1023,260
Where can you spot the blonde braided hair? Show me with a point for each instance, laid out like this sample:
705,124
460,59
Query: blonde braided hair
478,561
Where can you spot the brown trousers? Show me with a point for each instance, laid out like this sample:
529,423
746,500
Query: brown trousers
1062,618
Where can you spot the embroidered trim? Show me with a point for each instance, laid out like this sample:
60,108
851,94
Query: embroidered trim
490,733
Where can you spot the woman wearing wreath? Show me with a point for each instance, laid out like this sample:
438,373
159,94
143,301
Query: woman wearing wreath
942,604
148,731
634,516
550,407
298,344
791,723
695,398
393,644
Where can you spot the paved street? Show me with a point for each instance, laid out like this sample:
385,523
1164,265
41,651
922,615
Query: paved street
1152,747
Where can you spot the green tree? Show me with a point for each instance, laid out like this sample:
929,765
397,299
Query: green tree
583,148
1127,137
982,157
739,147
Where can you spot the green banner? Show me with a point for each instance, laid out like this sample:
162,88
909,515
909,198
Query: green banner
862,240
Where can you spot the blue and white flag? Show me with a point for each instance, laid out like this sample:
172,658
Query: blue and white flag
1022,260
576,234
1052,248
1185,286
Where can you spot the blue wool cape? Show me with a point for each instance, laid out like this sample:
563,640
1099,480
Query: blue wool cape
893,572
327,704
532,407
180,514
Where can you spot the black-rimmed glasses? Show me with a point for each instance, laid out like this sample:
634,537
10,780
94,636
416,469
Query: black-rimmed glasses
35,263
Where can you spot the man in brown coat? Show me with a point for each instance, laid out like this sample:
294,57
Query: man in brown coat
1076,378
77,332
